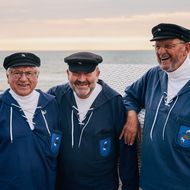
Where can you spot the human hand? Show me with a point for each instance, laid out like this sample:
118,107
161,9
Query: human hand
131,128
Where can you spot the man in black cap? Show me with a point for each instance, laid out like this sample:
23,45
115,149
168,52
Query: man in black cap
164,94
92,117
29,141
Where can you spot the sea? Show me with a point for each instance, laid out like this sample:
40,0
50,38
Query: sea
119,68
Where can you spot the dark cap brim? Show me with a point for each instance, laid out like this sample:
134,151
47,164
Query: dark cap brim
82,68
24,64
162,38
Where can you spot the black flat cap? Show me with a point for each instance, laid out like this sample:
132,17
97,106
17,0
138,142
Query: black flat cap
21,59
170,31
83,61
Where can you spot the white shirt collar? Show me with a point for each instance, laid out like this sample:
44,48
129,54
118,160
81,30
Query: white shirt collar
182,72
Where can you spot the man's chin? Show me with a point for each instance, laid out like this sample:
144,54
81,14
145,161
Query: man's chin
83,95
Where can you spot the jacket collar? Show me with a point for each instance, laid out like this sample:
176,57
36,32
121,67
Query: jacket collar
44,99
105,95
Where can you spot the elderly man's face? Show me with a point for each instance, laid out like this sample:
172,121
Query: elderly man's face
23,80
171,53
83,83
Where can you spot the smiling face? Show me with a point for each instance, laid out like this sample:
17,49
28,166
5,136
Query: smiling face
83,83
22,80
171,53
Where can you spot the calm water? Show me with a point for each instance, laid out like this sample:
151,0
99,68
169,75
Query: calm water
115,64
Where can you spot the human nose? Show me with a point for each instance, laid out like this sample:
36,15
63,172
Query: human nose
81,77
23,76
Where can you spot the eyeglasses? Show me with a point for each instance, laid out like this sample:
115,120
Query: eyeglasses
167,46
28,74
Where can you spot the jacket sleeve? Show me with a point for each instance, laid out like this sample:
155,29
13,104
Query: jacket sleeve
134,97
128,162
128,167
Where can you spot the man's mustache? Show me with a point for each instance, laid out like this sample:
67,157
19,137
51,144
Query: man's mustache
82,83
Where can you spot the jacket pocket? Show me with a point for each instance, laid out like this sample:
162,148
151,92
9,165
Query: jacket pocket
182,140
55,142
104,147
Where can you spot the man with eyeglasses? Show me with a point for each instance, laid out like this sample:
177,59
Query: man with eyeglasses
29,139
164,93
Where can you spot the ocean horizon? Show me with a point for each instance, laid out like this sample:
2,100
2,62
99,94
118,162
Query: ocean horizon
119,68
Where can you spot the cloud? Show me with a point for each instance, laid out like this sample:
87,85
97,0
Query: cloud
136,25
71,9
122,32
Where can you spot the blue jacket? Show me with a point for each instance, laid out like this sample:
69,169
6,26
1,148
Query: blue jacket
166,132
90,152
28,157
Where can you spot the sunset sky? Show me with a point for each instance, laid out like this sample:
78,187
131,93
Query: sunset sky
85,24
